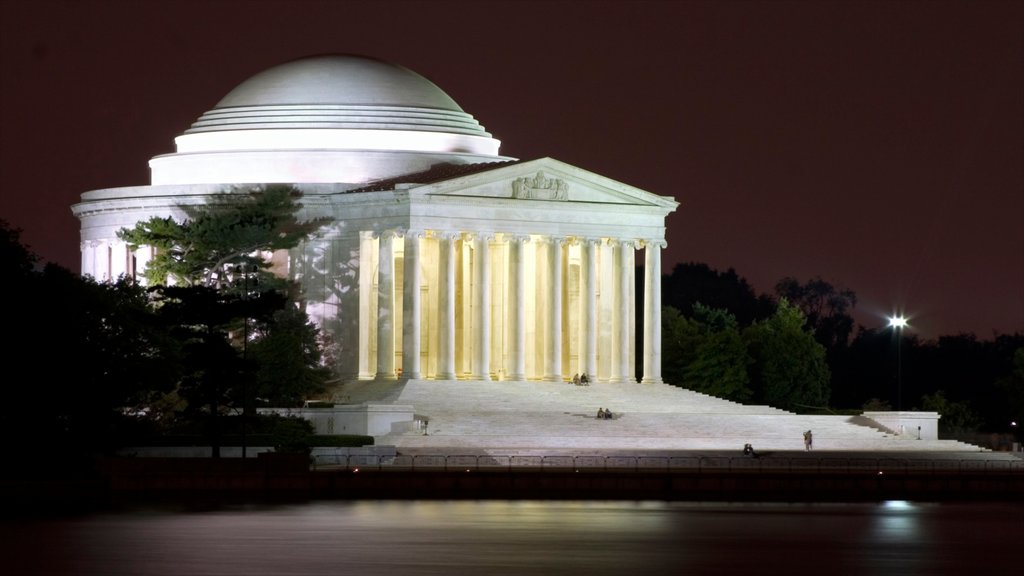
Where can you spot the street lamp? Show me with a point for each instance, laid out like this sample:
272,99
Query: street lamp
898,323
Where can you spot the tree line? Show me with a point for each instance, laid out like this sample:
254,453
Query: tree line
799,348
214,334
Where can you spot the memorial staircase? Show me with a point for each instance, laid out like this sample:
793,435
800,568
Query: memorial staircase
530,417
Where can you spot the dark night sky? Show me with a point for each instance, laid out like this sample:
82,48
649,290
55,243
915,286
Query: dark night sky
875,144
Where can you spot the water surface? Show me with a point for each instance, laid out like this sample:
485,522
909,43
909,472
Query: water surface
524,537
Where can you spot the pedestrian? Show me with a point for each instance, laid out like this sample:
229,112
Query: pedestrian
808,440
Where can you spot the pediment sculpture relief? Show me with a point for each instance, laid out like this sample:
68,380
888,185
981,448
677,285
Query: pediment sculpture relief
540,187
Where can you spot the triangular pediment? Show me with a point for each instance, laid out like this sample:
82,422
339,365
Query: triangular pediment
542,180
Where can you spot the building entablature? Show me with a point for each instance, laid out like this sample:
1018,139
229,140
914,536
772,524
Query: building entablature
555,200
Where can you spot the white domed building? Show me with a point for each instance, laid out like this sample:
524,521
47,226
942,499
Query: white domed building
444,259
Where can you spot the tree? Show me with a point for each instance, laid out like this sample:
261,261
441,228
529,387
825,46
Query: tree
212,369
90,355
826,308
705,353
956,417
679,339
16,259
289,359
219,241
693,283
242,331
1011,388
789,369
867,369
719,363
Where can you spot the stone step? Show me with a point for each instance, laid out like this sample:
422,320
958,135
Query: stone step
496,444
494,415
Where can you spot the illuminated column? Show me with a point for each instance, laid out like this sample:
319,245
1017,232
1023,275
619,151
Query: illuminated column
554,352
631,299
365,298
101,268
386,307
616,352
517,277
411,281
652,311
480,369
143,255
118,260
89,258
588,262
446,306
620,348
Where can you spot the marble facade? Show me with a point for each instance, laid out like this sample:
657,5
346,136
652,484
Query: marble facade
441,259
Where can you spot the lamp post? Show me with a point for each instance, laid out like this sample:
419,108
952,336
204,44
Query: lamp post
898,323
245,358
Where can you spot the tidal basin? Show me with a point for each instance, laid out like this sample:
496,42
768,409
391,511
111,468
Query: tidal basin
496,537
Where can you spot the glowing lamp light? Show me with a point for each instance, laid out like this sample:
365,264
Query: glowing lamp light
898,322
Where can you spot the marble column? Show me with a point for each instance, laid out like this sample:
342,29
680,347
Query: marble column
517,319
446,307
101,264
553,371
143,255
631,299
481,366
588,261
365,301
621,346
118,260
386,308
652,311
88,258
411,281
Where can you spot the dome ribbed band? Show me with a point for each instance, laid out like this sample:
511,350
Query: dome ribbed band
346,117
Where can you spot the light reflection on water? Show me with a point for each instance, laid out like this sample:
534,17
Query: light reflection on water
517,537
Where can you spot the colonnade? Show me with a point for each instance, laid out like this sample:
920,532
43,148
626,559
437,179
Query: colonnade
483,306
108,260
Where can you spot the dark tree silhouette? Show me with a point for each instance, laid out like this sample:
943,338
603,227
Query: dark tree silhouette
694,283
86,356
826,308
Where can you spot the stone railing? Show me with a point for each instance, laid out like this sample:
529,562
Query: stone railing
620,463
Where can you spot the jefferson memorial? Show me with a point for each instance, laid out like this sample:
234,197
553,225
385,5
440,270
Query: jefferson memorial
443,259
461,287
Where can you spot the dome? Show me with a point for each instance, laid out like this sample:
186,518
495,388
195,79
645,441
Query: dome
339,80
338,91
326,119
